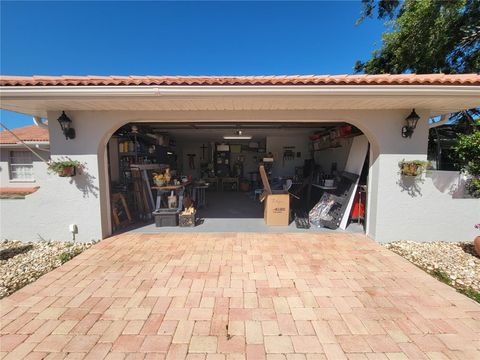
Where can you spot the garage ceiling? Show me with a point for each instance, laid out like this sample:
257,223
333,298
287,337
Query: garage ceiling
214,132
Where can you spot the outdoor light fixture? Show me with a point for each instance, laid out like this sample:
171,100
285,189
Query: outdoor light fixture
238,136
411,121
66,124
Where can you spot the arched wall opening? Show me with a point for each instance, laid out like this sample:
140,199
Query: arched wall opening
210,132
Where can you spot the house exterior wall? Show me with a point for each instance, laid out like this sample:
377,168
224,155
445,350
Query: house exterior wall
394,213
47,213
39,168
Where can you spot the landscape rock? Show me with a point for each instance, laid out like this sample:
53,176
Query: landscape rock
22,263
458,260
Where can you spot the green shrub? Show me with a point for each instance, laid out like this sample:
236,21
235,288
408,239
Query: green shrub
467,160
472,294
64,257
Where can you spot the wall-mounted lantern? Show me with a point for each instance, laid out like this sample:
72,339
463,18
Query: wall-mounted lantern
411,121
66,124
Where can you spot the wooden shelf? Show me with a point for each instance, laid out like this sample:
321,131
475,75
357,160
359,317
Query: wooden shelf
329,147
333,141
136,154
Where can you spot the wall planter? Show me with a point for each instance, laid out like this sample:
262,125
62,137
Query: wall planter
412,167
410,176
67,168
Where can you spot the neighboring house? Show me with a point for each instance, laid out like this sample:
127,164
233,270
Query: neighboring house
20,169
433,208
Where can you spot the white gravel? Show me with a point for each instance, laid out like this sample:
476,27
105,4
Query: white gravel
457,260
22,263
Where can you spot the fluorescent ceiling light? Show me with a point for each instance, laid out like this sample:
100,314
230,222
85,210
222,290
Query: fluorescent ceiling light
237,137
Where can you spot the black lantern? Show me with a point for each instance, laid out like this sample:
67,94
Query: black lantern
411,121
66,124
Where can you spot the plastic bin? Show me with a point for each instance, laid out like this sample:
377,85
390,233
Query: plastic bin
166,217
186,220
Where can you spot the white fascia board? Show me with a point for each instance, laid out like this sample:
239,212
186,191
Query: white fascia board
42,92
42,144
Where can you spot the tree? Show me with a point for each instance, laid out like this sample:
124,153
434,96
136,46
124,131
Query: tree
467,154
428,36
425,36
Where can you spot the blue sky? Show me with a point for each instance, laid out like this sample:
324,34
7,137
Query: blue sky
182,38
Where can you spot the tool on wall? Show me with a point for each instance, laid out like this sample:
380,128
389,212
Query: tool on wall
288,153
191,161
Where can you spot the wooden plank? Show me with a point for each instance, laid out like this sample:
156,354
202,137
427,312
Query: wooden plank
118,202
150,201
355,162
266,184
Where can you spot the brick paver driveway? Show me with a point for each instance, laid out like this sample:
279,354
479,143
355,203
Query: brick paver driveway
237,296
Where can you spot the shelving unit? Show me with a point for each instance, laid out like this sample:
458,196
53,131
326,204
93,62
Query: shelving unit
145,152
327,140
126,159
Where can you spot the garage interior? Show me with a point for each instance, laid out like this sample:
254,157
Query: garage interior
205,177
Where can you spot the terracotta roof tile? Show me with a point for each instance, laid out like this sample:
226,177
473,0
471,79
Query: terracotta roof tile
381,79
27,133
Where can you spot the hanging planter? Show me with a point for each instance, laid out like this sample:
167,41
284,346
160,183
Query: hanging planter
413,167
67,168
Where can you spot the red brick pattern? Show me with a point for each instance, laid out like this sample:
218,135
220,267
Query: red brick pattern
381,79
238,296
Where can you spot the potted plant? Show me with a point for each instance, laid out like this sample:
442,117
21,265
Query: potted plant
412,167
162,179
159,179
64,168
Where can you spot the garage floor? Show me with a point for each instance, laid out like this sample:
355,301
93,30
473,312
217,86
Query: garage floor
238,212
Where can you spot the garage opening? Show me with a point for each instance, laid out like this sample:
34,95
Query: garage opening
229,177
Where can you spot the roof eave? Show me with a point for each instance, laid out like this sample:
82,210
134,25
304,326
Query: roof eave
19,144
12,92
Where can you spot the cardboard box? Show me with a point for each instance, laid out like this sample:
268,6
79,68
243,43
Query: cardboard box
277,209
223,147
277,203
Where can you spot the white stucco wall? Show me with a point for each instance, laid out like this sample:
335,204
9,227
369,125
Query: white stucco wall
59,202
39,168
393,213
47,213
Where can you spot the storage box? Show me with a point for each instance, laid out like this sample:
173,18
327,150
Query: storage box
277,209
166,217
277,203
223,147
